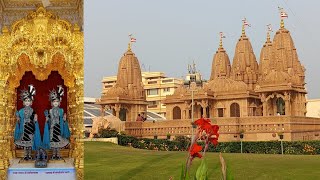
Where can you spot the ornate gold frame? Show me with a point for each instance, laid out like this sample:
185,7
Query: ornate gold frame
41,43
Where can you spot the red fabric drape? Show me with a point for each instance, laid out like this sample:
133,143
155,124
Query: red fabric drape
41,99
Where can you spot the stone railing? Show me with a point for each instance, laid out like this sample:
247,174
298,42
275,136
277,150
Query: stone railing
112,140
255,128
159,128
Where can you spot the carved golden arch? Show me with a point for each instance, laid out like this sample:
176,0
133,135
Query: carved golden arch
24,65
41,43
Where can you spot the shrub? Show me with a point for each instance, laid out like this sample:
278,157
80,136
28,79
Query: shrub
107,133
181,143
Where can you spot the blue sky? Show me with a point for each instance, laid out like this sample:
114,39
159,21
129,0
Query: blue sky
171,34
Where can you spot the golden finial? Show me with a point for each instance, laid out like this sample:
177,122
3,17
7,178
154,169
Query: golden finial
268,32
283,15
244,24
129,46
268,36
131,40
243,30
282,23
221,36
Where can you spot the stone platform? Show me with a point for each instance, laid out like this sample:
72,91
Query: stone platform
55,170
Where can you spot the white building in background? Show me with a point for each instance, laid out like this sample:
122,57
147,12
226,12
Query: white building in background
156,86
313,108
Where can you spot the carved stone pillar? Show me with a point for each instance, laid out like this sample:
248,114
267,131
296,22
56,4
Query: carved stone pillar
264,105
204,105
117,109
187,107
102,110
287,103
204,112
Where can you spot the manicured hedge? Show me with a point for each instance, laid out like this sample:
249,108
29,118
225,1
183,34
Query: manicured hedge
154,144
262,147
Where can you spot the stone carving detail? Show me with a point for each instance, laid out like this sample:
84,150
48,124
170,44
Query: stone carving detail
12,10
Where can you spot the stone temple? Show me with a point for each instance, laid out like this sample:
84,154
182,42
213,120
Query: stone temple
260,100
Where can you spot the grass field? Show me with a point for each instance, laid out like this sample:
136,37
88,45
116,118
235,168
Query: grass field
110,161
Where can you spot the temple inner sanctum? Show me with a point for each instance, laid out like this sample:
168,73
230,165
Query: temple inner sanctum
41,46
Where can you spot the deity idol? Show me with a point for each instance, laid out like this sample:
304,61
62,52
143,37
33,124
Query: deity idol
56,133
27,133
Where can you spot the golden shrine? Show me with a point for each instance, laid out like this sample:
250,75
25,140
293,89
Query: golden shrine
36,43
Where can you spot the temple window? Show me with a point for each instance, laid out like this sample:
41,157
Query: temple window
220,112
234,110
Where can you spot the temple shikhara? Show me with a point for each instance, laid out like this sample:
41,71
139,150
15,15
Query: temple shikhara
259,100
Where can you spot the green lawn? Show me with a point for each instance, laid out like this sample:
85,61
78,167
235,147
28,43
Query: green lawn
110,161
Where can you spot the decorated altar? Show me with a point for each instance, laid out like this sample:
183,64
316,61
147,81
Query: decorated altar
43,50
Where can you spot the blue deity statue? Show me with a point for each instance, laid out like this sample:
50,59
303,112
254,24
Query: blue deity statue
56,132
27,133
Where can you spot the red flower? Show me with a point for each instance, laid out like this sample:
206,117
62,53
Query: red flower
214,141
215,129
204,124
195,149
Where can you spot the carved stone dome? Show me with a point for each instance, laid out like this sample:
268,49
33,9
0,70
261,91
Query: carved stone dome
181,90
226,85
277,77
116,92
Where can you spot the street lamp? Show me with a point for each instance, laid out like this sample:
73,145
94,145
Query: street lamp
241,137
192,82
281,139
